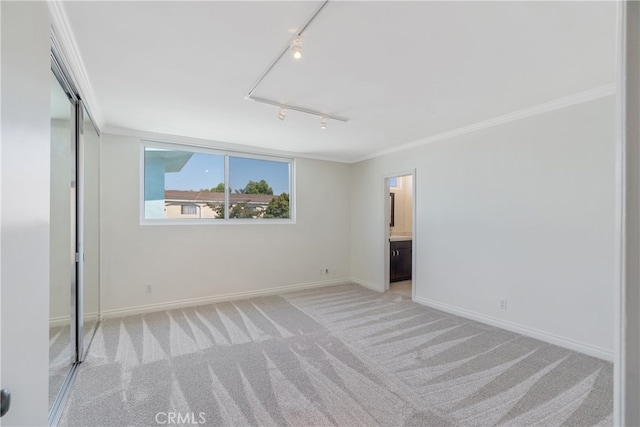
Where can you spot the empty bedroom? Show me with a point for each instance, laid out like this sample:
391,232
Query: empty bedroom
312,213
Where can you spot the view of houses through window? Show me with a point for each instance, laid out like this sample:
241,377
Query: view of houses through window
185,184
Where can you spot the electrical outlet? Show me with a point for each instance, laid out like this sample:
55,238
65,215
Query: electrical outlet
503,304
326,270
147,288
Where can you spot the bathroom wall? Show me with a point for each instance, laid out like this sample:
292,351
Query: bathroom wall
403,220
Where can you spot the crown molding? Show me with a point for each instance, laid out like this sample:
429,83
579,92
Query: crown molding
567,101
210,143
589,95
63,35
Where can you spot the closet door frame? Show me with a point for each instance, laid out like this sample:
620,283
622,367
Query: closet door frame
76,286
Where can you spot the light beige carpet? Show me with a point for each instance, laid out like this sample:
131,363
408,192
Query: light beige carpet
59,359
60,356
340,355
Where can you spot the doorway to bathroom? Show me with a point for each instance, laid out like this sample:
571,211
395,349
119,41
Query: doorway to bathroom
400,234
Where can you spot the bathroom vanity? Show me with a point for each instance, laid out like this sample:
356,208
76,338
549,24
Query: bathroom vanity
400,259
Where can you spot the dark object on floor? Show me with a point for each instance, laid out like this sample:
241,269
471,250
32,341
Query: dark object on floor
5,401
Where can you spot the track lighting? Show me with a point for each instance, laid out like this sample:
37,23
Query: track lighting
294,44
283,109
323,123
296,49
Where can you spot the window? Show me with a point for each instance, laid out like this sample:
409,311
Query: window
192,183
177,182
190,209
258,188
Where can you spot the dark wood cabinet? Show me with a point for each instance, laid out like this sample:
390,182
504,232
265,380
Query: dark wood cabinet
400,258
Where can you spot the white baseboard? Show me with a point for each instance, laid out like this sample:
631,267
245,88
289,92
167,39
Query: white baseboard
587,349
370,285
66,320
191,302
59,321
92,317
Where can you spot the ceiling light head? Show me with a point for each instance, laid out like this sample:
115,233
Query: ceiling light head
296,49
282,113
323,123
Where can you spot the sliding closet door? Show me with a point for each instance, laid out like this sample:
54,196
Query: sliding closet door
62,268
74,271
89,168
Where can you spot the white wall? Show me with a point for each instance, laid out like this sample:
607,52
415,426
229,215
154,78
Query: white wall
24,174
185,262
522,211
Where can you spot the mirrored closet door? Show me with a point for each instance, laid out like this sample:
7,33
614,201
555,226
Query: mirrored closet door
62,243
89,191
74,291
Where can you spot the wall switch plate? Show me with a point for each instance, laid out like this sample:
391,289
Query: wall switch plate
503,304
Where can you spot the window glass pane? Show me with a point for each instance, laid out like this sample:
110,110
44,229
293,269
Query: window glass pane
183,184
259,188
190,209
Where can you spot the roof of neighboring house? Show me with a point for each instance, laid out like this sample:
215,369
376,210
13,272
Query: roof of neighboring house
207,196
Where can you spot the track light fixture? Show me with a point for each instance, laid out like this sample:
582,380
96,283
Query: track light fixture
296,48
283,109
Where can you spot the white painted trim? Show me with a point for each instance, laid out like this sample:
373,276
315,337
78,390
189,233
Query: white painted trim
578,98
587,349
73,59
65,37
386,271
191,302
619,312
387,245
214,144
567,101
66,320
1,223
370,285
144,221
59,321
404,172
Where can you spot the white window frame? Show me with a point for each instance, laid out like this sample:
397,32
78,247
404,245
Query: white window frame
217,221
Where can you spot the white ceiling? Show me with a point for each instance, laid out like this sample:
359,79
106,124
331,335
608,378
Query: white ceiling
401,71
